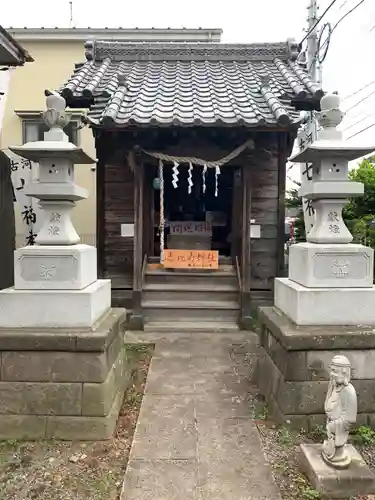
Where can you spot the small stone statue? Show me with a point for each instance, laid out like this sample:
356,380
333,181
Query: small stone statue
341,410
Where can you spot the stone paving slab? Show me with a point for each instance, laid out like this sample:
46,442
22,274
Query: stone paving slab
170,376
215,405
226,384
185,348
152,337
195,439
161,480
165,429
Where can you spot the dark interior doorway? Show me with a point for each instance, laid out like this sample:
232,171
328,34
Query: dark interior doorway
200,205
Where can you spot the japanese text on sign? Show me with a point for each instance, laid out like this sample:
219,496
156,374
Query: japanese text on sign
191,259
187,227
23,172
305,138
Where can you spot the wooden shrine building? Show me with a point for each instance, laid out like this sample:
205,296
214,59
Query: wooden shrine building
192,142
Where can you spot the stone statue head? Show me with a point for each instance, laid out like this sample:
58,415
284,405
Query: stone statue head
340,370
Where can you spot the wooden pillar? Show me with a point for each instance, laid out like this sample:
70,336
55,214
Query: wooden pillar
236,216
246,318
282,158
147,212
136,165
102,153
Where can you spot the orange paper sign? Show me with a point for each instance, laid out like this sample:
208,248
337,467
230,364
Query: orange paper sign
191,259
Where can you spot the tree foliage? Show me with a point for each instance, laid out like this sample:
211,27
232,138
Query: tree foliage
363,205
292,200
358,213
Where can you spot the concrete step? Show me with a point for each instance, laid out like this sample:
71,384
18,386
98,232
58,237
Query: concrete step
189,326
183,293
186,286
192,279
193,310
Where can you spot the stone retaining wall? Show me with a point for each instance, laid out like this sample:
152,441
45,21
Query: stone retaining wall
63,384
293,368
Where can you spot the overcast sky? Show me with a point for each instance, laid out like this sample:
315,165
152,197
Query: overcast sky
348,67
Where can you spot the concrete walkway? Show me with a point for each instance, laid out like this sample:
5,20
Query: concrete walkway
195,439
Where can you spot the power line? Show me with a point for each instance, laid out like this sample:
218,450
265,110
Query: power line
335,25
318,21
358,91
363,130
343,4
358,121
345,15
359,102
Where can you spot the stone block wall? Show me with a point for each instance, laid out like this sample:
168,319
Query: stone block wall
61,384
293,368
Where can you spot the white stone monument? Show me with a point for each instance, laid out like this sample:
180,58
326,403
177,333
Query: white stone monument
336,469
330,279
341,410
56,281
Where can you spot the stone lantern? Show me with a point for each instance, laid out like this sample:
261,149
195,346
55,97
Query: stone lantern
61,343
57,261
328,261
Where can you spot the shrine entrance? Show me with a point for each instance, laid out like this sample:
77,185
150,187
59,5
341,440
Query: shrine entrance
198,209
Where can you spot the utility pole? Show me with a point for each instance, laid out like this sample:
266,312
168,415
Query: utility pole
308,133
312,40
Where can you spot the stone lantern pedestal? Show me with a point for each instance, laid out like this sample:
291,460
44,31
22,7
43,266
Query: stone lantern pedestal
63,371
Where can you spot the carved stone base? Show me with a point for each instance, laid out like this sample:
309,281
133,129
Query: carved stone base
331,266
63,383
357,479
55,308
294,366
59,267
342,461
325,306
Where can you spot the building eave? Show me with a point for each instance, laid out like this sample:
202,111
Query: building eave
11,52
119,34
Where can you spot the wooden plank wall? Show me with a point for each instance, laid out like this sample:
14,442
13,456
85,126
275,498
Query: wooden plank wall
119,209
264,209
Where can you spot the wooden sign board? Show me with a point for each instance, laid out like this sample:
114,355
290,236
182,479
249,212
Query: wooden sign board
191,259
190,228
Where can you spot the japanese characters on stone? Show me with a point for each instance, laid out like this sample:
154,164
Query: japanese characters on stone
22,171
304,139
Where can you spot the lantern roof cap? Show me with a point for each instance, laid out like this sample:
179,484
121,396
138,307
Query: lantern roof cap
41,150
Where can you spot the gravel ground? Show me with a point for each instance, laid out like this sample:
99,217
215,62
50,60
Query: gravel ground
48,470
281,446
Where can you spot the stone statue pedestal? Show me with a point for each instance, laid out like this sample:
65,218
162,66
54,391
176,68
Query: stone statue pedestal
358,479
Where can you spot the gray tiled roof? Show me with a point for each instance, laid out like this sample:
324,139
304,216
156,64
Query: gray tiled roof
187,84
